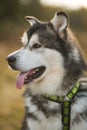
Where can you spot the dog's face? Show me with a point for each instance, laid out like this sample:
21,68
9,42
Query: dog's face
45,54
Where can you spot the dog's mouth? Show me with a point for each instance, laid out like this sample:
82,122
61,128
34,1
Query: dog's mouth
27,77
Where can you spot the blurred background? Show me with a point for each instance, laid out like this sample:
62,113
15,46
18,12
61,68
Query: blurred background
12,26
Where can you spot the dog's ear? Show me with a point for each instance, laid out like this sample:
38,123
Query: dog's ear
31,20
60,21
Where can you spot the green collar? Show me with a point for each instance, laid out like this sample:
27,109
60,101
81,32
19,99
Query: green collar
66,104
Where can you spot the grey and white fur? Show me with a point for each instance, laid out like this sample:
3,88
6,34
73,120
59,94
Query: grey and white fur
53,45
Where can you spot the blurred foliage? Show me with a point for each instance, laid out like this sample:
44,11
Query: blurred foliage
78,19
9,10
13,11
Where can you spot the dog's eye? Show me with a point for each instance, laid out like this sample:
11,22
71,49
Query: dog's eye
36,45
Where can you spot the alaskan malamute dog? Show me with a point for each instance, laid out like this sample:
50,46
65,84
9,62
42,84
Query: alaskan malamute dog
50,63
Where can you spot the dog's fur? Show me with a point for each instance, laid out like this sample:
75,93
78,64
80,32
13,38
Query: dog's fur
59,53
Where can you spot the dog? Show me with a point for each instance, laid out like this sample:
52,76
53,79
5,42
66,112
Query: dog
50,62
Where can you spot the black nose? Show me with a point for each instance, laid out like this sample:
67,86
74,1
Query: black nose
11,60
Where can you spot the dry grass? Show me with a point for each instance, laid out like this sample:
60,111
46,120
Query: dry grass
11,104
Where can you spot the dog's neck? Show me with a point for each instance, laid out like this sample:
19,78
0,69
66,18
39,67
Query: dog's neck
36,89
69,96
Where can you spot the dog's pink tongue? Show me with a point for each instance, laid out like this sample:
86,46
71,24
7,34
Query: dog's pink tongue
20,80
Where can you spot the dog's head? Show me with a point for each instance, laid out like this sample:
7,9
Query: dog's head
49,56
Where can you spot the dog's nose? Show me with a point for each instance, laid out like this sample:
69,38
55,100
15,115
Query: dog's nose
11,60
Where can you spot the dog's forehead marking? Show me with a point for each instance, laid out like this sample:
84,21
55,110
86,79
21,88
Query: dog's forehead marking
34,39
24,38
36,28
32,32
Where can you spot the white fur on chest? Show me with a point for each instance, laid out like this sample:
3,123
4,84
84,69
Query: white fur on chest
46,124
43,123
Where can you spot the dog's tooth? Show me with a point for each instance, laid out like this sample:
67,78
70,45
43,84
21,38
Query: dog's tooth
25,77
36,70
